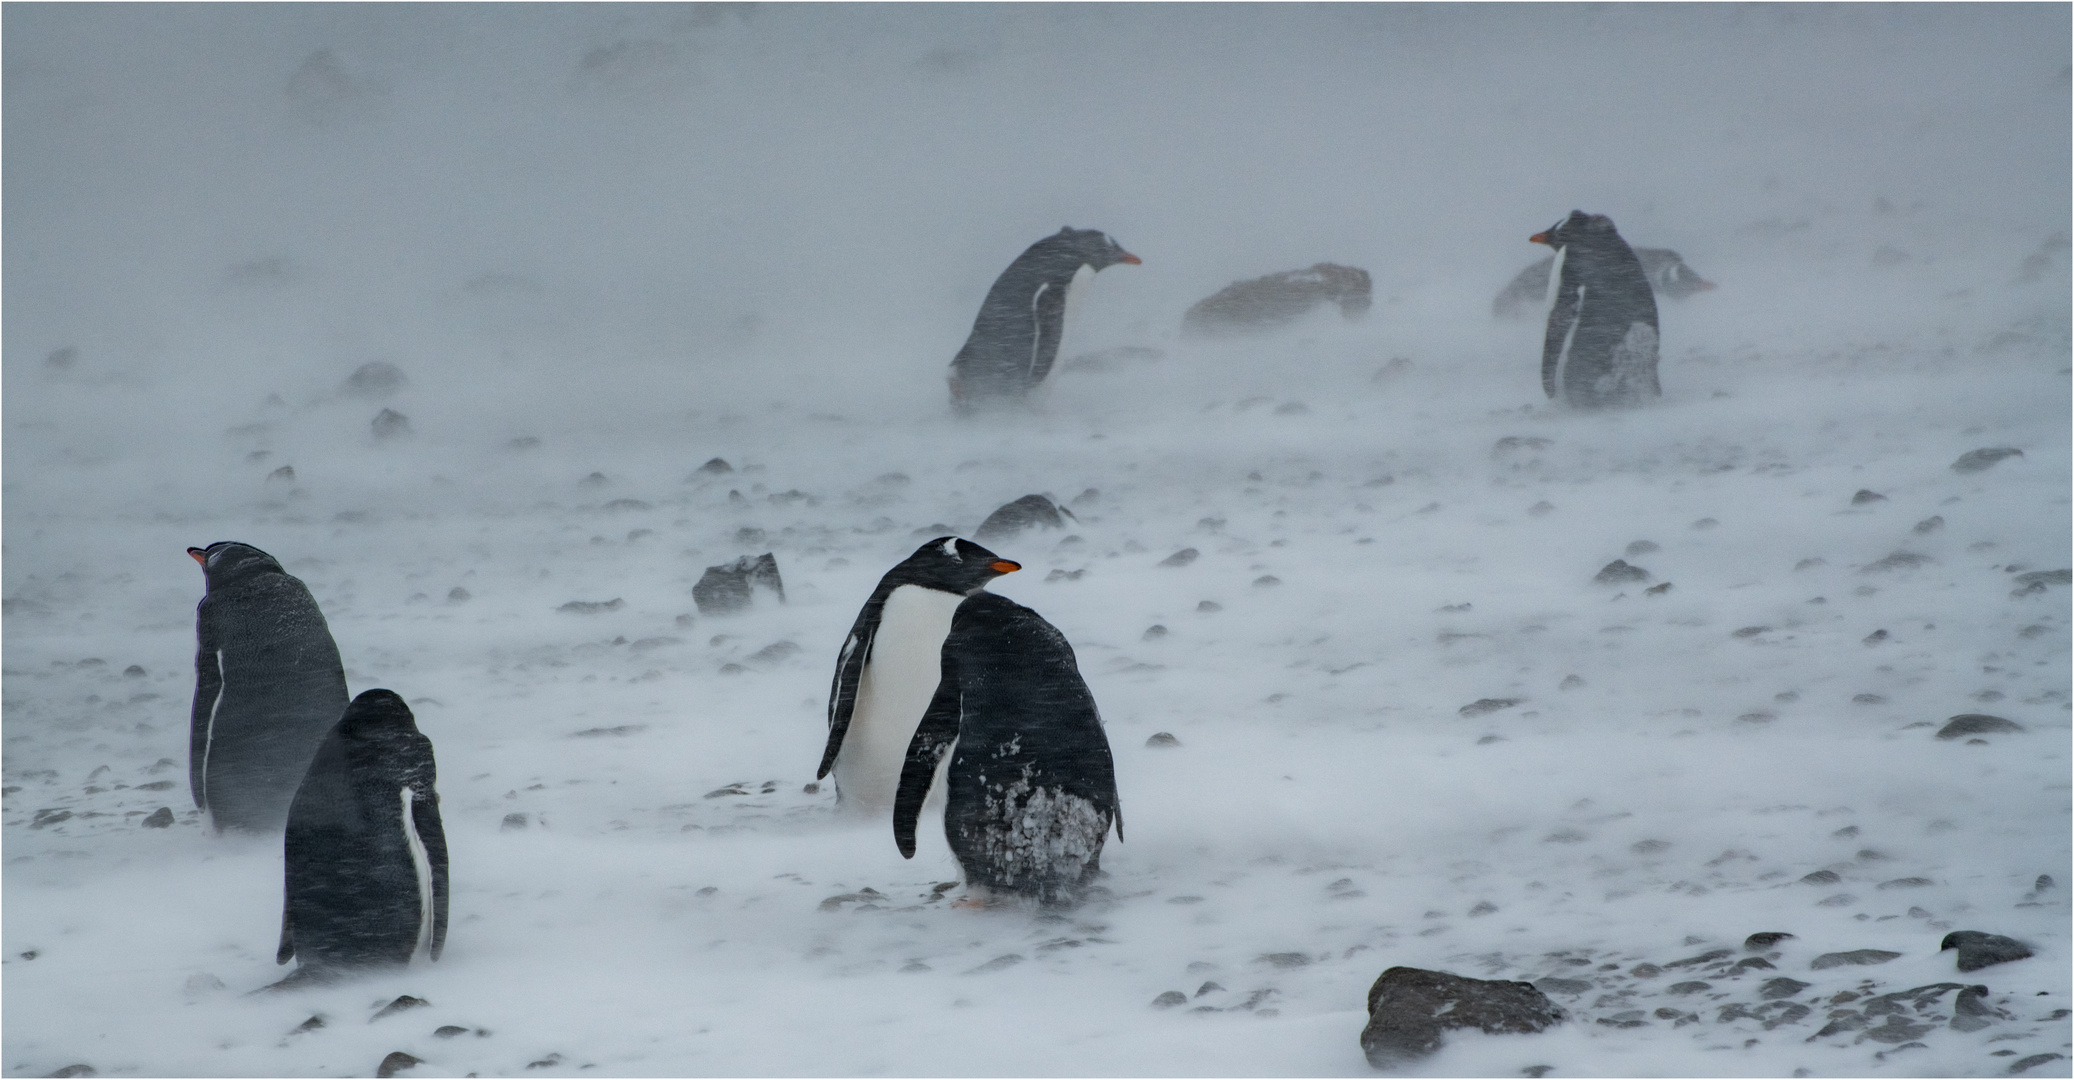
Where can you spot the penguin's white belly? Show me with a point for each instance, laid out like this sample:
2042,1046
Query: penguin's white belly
899,678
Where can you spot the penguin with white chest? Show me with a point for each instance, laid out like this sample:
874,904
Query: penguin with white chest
1031,786
889,666
1601,346
268,686
365,853
1015,339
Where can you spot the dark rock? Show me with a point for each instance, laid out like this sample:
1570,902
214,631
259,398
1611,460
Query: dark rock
161,818
1265,303
548,1062
1735,1010
375,381
591,607
1153,633
1751,631
1642,547
457,595
2046,577
1863,957
1977,724
1781,987
1645,971
1481,706
1162,738
1536,1072
1897,1029
50,816
1514,444
1657,590
713,467
1209,607
1900,560
389,424
1973,461
448,1031
1557,985
1170,999
1791,1014
1284,959
1618,572
1707,957
81,1069
1867,699
314,1023
1978,950
1752,963
1266,581
1865,497
1030,511
1875,637
1821,877
998,963
730,588
396,1063
514,823
1181,558
403,1003
1905,883
774,652
2020,1065
1928,525
2043,883
1692,987
1972,1001
1410,1009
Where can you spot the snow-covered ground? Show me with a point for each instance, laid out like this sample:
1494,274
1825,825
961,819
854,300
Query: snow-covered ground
607,244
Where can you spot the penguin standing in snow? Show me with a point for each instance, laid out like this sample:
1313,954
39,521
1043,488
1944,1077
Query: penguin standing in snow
1016,337
1601,347
890,664
1031,784
268,686
365,852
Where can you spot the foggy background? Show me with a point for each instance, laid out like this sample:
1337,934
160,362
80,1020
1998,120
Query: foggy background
607,243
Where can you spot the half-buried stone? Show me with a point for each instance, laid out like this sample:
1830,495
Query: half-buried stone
1411,1009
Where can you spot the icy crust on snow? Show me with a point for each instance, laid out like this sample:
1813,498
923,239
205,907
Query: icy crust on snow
1389,523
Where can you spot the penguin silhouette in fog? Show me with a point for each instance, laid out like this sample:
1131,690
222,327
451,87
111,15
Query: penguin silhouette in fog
890,664
1601,347
1031,784
365,853
268,686
1016,337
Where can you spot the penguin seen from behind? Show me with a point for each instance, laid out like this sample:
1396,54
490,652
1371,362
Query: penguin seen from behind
1601,345
268,686
365,852
1016,336
1031,783
890,664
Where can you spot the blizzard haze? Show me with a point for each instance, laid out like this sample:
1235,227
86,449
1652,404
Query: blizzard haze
604,244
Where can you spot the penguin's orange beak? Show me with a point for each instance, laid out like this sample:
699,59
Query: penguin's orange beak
1003,566
1132,259
199,555
1538,238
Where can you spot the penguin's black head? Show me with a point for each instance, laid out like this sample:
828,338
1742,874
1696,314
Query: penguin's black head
948,564
1578,226
376,711
228,560
1097,248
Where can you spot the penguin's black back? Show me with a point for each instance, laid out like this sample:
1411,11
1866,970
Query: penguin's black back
1603,327
262,705
1032,784
1015,338
352,889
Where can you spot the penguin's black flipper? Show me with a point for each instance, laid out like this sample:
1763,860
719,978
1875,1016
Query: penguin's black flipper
849,672
937,731
287,950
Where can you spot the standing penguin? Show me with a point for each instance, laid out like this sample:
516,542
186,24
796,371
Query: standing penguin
365,852
268,685
1016,337
1032,787
889,666
1602,331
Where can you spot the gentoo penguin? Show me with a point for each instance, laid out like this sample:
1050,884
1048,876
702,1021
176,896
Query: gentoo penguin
889,665
1264,303
1016,337
365,853
1031,785
1601,345
1525,295
268,685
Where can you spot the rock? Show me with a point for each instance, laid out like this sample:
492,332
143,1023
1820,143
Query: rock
1030,511
395,1063
1928,525
1170,999
375,380
1977,724
713,467
1266,581
1972,1001
1875,637
389,424
998,963
1702,959
1284,959
1153,633
2020,1065
1750,631
1897,1029
514,823
403,1003
1181,558
1410,1009
161,818
1556,985
1978,950
1905,883
1866,497
1761,941
1209,607
1162,738
1618,572
1855,956
1516,444
1751,963
548,1062
1483,706
1867,699
457,595
1692,987
1642,547
774,652
1645,971
81,1069
1657,590
591,607
283,475
1900,560
2046,577
1265,303
50,816
1973,461
448,1031
1781,987
730,588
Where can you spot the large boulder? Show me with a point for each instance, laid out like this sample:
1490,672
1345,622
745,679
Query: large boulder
1265,303
1410,1010
731,588
1030,511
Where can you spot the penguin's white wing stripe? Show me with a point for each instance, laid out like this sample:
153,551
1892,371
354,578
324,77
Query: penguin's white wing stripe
422,863
209,736
1036,329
